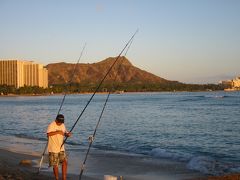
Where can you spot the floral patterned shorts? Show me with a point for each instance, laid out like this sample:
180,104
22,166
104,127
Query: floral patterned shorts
56,158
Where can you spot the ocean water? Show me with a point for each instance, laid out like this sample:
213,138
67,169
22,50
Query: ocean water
199,128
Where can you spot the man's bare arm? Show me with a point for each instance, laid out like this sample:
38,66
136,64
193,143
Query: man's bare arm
55,133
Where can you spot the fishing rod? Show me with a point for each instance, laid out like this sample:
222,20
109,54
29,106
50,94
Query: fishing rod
99,85
41,160
63,99
71,79
91,138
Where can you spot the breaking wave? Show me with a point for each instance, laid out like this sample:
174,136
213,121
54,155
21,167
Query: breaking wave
204,164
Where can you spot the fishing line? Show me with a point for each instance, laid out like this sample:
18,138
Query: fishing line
91,138
99,85
63,99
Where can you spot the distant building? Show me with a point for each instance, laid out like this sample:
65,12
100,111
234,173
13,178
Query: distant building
236,82
227,83
20,73
233,84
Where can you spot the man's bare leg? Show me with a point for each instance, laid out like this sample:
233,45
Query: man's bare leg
55,172
64,169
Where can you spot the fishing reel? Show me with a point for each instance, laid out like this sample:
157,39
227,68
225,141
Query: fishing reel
91,139
82,167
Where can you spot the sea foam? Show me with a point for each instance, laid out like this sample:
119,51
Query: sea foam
204,164
163,153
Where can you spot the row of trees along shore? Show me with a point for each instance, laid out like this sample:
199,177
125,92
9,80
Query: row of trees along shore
114,87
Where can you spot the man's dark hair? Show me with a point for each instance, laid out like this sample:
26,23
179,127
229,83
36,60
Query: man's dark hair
60,118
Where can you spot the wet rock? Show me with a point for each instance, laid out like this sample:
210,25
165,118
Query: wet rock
25,163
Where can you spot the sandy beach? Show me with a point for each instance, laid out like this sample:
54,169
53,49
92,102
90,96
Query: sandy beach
130,167
99,164
11,169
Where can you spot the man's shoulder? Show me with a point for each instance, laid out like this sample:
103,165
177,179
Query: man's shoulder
63,126
51,127
52,123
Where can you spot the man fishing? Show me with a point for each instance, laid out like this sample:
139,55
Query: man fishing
56,132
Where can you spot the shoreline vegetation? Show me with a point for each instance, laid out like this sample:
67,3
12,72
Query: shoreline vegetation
119,88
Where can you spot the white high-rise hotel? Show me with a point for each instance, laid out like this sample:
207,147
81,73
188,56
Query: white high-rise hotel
19,73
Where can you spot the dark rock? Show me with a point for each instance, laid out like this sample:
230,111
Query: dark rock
26,163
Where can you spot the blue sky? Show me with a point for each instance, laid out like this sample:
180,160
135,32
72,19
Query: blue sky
192,41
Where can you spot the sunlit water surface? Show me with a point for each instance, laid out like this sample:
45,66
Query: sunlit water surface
200,128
